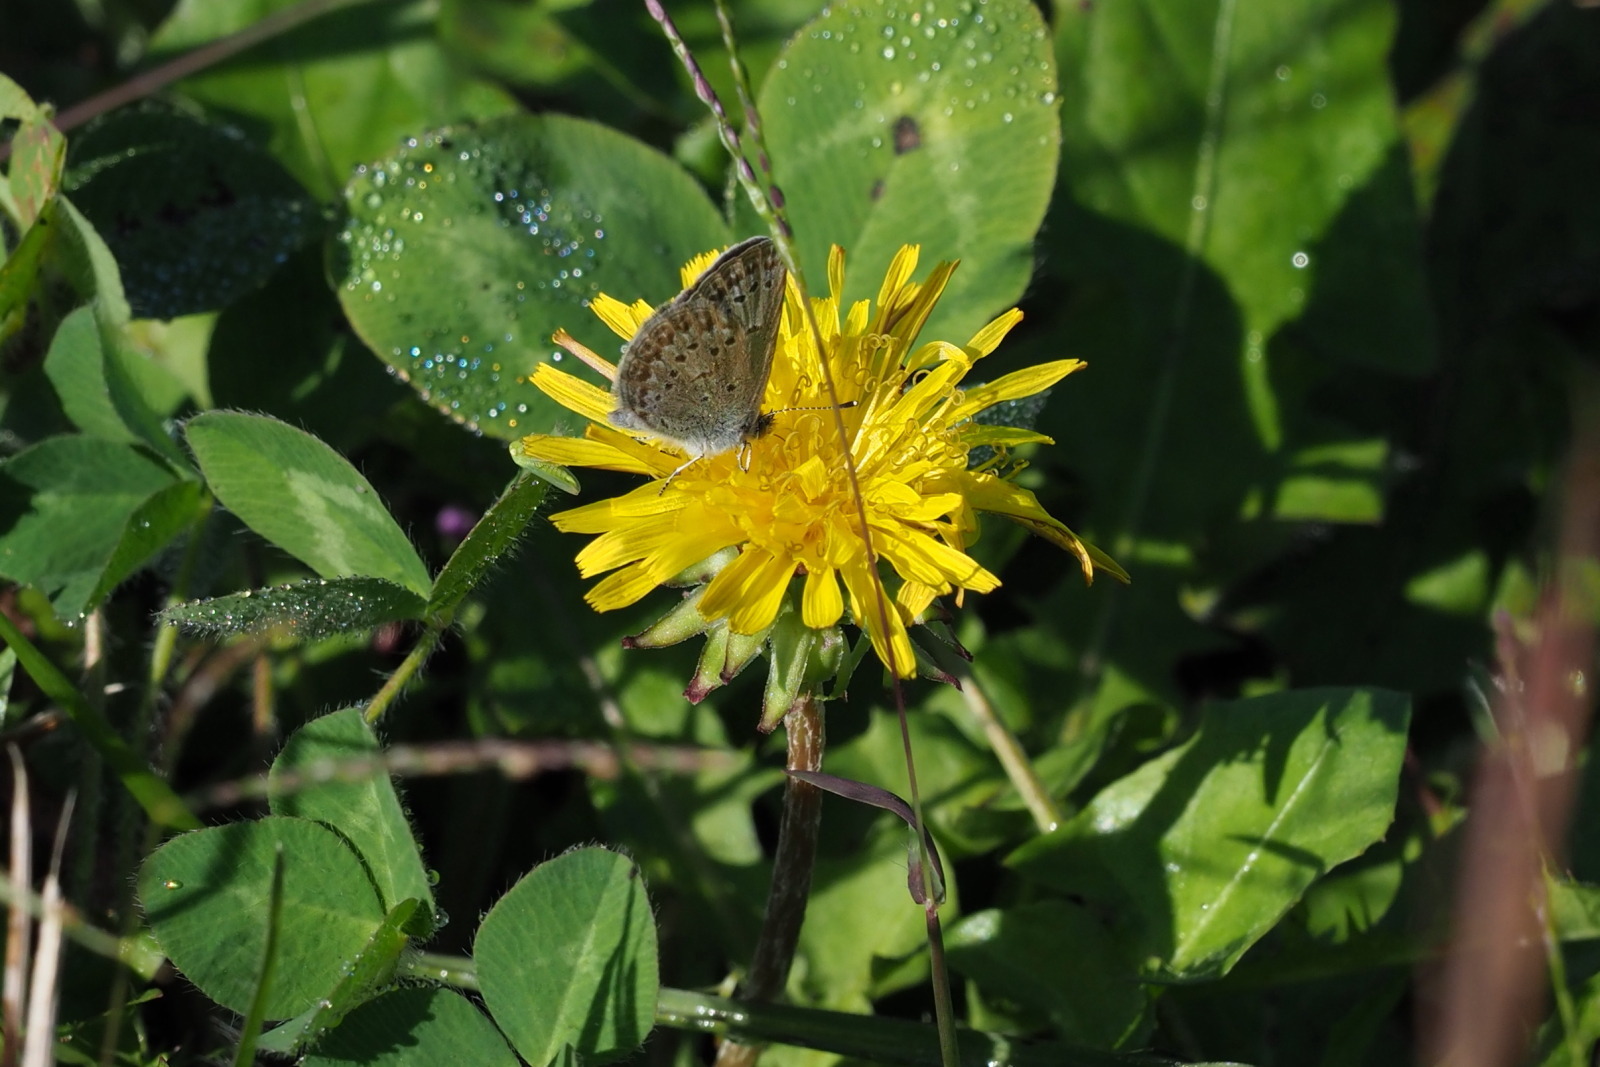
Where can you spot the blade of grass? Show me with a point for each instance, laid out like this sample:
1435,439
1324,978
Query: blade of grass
246,1053
39,1042
138,954
19,928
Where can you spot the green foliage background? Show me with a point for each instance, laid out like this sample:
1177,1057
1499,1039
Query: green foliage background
1335,269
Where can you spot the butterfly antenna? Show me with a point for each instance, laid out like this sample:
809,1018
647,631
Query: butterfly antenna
816,407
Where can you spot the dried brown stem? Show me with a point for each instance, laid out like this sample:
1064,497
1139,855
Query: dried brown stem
791,872
513,759
1491,987
19,927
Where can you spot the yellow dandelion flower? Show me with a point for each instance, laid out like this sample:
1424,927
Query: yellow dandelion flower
785,501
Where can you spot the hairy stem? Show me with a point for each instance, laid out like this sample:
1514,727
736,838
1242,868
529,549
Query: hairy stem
403,674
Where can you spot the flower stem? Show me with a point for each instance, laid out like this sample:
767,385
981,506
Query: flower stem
207,55
944,1010
1008,750
791,871
457,971
939,974
403,674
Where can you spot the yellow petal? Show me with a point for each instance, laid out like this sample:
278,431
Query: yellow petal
603,515
1025,382
988,339
932,387
872,613
907,323
623,319
914,598
622,588
988,493
762,595
1090,558
655,457
665,537
980,434
573,393
690,272
856,318
581,452
900,502
672,558
899,272
723,592
921,558
822,604
937,352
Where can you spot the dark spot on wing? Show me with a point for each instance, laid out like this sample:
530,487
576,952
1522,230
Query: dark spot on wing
877,190
907,135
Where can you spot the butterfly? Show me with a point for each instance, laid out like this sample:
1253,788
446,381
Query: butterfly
696,371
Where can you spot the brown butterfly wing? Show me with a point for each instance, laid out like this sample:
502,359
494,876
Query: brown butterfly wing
746,283
697,370
684,380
